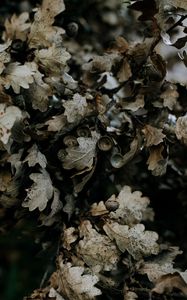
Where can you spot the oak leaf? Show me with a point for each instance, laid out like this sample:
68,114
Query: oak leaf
35,157
18,76
82,156
153,135
135,240
8,116
131,208
74,284
96,249
75,109
40,192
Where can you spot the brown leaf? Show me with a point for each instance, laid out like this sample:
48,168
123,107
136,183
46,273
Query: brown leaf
156,162
96,249
170,96
82,156
153,135
166,284
125,71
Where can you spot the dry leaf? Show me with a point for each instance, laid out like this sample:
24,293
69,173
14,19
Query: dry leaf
125,71
181,129
98,209
161,265
153,135
56,207
75,109
156,162
96,249
39,91
52,59
40,192
170,96
74,284
82,156
135,240
130,296
35,157
69,237
18,76
17,27
135,105
54,294
4,59
8,116
42,33
56,123
131,206
166,284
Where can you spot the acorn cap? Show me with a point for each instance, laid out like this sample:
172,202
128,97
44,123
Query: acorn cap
116,160
70,140
105,143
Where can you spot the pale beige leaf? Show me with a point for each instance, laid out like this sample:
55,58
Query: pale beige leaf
74,284
55,295
75,109
98,209
96,249
40,192
8,116
130,296
56,207
35,157
81,156
69,237
160,265
42,33
181,129
131,208
18,76
39,92
52,59
17,27
138,242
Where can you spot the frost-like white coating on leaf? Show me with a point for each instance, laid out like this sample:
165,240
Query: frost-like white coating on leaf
40,192
81,156
96,249
131,206
135,240
74,284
